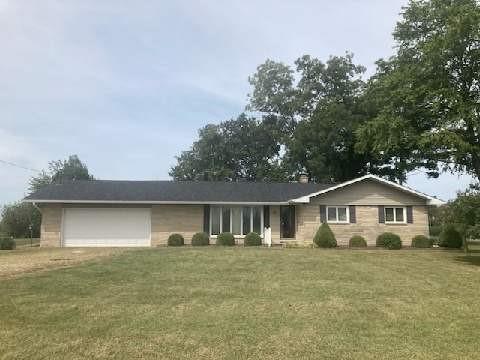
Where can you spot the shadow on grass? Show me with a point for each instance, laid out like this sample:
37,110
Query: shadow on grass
473,259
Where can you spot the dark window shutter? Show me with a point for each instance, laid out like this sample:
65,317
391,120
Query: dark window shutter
206,219
323,213
409,215
353,215
381,214
266,216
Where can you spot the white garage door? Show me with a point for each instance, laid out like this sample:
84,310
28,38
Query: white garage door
106,227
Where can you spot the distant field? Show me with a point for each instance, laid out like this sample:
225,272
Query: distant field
241,303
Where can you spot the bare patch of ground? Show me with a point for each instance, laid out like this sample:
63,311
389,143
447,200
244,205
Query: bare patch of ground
21,261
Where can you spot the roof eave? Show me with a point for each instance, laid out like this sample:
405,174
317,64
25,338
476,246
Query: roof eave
430,200
125,202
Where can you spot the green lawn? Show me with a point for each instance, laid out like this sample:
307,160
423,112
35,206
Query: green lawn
238,303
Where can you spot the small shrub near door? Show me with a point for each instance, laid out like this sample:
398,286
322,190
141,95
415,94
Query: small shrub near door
324,237
200,239
226,239
7,244
252,239
450,237
357,241
176,240
421,241
389,241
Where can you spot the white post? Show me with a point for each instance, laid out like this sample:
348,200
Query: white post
267,236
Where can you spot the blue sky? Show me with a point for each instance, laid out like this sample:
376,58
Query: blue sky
127,84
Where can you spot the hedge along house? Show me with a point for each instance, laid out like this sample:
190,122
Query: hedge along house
145,213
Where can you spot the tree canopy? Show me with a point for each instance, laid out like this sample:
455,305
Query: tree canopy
428,94
242,148
18,217
60,171
420,110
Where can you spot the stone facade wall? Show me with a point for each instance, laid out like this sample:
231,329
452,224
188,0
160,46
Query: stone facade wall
367,225
51,228
168,219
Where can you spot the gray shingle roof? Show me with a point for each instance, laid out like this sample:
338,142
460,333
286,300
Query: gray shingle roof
174,191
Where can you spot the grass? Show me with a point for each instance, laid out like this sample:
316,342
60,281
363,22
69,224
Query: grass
239,303
25,260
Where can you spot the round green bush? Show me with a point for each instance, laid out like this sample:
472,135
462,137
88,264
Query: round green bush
324,237
7,244
435,230
252,239
421,241
389,241
200,239
226,239
357,241
176,240
450,237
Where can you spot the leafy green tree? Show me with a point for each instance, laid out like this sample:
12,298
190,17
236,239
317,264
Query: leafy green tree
464,213
239,149
17,219
60,171
273,90
428,94
320,114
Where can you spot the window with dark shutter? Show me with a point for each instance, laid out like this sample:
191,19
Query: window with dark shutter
353,214
409,215
206,219
323,214
381,214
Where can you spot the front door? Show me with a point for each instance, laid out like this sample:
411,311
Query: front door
287,222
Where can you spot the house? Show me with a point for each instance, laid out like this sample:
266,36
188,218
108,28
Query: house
145,213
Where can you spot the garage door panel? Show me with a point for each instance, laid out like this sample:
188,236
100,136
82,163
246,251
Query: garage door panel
106,227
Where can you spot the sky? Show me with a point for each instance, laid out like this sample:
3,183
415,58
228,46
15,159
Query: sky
126,85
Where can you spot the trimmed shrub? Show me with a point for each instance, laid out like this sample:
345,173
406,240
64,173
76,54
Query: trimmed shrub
357,241
435,230
200,239
226,239
252,239
389,241
176,240
450,237
421,241
324,237
7,243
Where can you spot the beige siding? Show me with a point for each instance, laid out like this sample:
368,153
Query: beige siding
369,192
367,225
50,230
366,195
169,219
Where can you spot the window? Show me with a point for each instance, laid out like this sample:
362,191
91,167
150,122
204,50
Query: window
237,220
246,220
225,220
338,214
215,221
395,214
257,219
